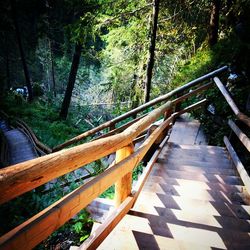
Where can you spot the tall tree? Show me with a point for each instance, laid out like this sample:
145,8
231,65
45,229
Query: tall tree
25,67
7,61
71,81
52,62
214,23
51,46
150,63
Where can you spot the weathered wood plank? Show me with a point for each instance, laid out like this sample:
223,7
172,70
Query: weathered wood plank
124,185
120,129
242,137
228,98
231,102
241,170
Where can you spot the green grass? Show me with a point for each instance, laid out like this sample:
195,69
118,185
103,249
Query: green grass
44,119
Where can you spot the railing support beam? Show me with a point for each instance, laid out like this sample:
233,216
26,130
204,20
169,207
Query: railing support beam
123,187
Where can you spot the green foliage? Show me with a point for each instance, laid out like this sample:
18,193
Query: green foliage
73,232
206,60
137,171
109,193
115,38
43,119
81,223
35,201
124,54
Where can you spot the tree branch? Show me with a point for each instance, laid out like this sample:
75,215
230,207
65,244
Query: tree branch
126,13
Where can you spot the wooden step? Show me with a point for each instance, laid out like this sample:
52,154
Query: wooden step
196,163
195,169
194,183
182,155
100,208
173,227
202,194
196,147
190,185
195,150
145,231
189,129
190,204
200,218
212,178
136,233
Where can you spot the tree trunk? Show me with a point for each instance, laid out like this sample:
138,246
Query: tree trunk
51,46
25,68
52,67
71,81
7,59
214,23
150,64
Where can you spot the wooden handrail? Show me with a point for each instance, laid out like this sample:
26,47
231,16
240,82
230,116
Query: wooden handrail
140,108
242,137
231,102
20,178
120,129
240,168
51,218
64,209
33,137
109,224
175,101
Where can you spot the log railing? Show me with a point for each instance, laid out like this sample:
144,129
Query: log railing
111,124
18,179
33,231
242,117
241,136
41,148
237,162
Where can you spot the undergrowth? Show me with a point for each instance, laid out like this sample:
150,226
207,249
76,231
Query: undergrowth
226,52
43,119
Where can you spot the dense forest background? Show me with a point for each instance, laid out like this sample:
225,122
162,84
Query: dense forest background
101,51
86,61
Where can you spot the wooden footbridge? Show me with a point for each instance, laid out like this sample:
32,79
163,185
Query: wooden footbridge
18,142
189,196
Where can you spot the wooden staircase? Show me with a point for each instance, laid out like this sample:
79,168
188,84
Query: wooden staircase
191,200
189,196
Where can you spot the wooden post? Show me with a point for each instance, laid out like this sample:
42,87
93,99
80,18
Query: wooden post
124,185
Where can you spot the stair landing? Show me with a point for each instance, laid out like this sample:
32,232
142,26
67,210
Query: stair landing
191,200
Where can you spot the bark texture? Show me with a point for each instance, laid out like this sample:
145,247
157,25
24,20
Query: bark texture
71,81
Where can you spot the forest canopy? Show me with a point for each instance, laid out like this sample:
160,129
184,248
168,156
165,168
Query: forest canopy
102,51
